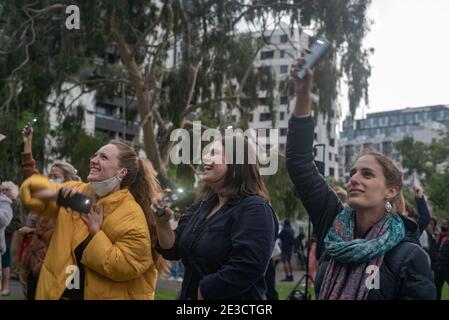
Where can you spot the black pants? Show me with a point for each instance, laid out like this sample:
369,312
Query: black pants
31,286
441,276
270,279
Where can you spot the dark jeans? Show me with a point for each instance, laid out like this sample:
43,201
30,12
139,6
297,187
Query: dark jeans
441,276
31,286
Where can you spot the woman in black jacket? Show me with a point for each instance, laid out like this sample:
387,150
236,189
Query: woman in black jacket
226,240
368,251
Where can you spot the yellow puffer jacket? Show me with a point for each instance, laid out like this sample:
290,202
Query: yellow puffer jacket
118,261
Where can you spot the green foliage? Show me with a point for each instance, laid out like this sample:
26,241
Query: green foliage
424,159
437,187
415,156
281,190
74,144
208,32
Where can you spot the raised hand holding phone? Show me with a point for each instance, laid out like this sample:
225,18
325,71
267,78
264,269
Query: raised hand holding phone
29,127
313,55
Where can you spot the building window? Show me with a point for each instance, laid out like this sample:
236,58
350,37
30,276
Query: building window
330,156
262,132
283,132
264,55
265,116
315,136
332,142
281,115
284,68
331,171
105,110
284,99
282,53
284,38
261,101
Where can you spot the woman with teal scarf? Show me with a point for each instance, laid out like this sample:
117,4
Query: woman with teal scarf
367,250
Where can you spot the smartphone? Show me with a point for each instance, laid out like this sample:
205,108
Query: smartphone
28,127
78,202
317,50
169,200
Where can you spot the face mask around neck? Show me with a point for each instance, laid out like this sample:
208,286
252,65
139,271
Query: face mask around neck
56,180
102,188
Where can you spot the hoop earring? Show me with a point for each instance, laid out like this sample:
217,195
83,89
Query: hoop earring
388,207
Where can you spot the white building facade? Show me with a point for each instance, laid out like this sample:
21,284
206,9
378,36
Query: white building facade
279,56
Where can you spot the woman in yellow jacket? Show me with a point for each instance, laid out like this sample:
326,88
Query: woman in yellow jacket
107,254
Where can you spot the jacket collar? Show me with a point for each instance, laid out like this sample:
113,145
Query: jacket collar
411,229
113,200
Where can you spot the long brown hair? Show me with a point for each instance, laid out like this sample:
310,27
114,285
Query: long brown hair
141,182
241,179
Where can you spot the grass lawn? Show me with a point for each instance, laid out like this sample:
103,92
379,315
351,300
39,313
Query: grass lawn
166,294
283,290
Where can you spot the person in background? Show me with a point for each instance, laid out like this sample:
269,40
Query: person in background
38,231
11,190
287,237
5,218
442,264
299,247
422,217
429,243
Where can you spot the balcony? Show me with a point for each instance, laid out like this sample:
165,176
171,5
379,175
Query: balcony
115,125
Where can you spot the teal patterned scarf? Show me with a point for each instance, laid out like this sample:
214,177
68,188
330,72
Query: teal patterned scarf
350,257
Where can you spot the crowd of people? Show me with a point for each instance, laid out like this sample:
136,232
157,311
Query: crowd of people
368,242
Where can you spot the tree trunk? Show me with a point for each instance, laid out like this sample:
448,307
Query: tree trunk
143,103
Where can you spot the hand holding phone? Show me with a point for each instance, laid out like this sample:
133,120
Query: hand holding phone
317,51
168,201
77,202
29,126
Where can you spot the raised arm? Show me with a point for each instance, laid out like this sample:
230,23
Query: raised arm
28,163
320,201
423,210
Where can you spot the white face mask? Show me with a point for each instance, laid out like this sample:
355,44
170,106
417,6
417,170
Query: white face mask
56,180
102,188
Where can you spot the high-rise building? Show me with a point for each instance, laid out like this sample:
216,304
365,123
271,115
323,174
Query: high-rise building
379,131
279,55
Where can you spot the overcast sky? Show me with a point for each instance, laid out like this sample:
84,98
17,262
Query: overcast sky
410,66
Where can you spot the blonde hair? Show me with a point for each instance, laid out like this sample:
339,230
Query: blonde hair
11,186
69,172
